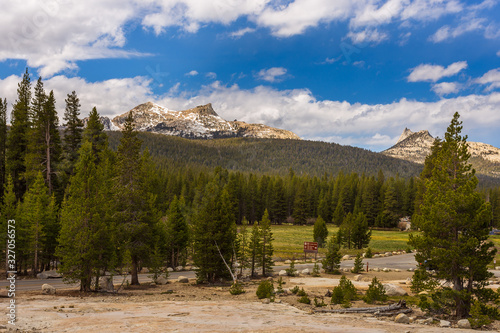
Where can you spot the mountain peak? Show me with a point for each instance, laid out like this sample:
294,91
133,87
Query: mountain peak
204,110
406,133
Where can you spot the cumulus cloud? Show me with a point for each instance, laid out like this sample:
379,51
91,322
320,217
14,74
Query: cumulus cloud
367,36
373,126
426,72
446,32
446,88
274,74
491,78
192,73
241,32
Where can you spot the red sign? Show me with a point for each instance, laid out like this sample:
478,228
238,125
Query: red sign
311,247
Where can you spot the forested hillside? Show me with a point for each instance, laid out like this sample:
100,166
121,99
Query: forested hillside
272,156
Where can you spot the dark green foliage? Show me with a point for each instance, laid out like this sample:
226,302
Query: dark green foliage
301,292
375,292
319,304
265,289
267,244
421,281
477,316
3,143
94,132
295,290
291,271
280,290
354,231
331,262
177,236
454,221
344,293
358,264
242,246
368,253
320,232
17,138
315,272
255,249
304,299
236,288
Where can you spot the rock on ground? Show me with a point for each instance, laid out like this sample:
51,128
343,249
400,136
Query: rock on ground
282,273
306,271
106,283
444,323
48,275
402,319
393,290
463,323
182,279
47,289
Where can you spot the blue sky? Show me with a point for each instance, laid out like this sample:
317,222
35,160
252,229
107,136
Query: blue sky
353,72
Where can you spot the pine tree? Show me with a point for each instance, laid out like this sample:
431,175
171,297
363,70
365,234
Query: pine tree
242,248
331,262
8,212
3,142
454,221
300,206
320,231
87,238
134,213
94,132
361,234
267,244
17,139
255,249
73,132
177,232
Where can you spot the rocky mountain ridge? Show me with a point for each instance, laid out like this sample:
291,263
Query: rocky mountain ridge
415,146
201,122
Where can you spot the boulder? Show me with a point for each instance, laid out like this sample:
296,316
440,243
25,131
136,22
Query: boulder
397,270
179,268
161,280
266,301
386,269
182,279
444,323
306,271
282,273
357,278
463,323
394,290
288,262
48,275
423,293
170,269
47,289
497,268
428,321
106,284
346,257
402,319
376,269
376,256
388,254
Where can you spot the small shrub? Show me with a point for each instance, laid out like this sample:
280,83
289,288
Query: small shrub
319,304
408,250
301,292
421,281
291,271
423,304
295,290
304,299
344,293
265,289
375,292
368,253
280,290
236,288
358,264
315,272
477,316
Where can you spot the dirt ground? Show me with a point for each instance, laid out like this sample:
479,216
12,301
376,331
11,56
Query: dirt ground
178,307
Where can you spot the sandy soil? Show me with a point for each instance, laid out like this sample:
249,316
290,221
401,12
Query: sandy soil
177,307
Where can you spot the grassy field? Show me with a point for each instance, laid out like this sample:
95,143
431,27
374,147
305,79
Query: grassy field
289,240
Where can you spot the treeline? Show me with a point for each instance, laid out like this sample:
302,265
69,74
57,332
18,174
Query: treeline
86,209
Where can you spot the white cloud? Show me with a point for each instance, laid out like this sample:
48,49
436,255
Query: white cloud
446,88
426,10
241,32
274,74
446,32
367,36
492,78
426,72
498,53
192,73
373,126
211,75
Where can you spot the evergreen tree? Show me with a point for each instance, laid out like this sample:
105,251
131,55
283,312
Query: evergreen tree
361,234
3,142
87,237
267,244
17,138
8,212
255,249
177,232
320,231
242,246
214,233
73,131
346,231
135,214
331,262
300,208
94,132
454,221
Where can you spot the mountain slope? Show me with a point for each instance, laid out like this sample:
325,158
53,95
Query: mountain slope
415,146
201,122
